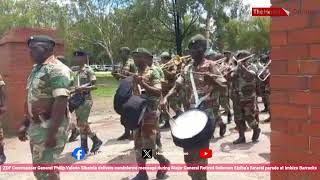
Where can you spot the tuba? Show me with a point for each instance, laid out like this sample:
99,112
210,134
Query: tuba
264,72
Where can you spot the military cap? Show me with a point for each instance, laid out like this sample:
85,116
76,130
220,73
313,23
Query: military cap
80,53
164,55
243,53
41,38
125,49
227,52
197,38
143,51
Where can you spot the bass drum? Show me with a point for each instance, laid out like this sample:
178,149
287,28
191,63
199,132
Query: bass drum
191,129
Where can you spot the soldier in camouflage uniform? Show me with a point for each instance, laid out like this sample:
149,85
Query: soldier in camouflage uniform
75,132
244,98
85,82
206,82
46,109
127,68
145,136
3,110
263,87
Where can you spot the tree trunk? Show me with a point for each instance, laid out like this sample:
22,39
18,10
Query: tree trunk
208,19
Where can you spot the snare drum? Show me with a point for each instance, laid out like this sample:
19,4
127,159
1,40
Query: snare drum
191,129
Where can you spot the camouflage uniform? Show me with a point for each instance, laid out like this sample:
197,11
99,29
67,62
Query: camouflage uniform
263,89
129,66
210,106
244,100
46,82
146,135
84,76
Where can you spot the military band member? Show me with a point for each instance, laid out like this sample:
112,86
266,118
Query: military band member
244,98
206,83
3,110
127,68
210,55
46,118
75,132
85,81
149,80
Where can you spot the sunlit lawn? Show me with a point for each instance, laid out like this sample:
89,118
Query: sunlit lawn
107,85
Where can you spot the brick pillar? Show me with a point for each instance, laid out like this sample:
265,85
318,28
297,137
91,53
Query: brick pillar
295,83
15,65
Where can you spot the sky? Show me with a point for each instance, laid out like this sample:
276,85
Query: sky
257,3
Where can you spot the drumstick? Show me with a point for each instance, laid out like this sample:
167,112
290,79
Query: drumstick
203,74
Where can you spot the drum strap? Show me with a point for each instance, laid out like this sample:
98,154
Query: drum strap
194,88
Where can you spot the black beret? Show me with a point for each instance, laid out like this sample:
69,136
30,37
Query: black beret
143,51
197,38
80,53
41,38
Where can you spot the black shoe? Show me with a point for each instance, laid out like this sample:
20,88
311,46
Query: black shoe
240,140
267,120
223,128
161,174
256,134
124,136
74,135
265,111
96,144
229,117
2,155
84,143
142,175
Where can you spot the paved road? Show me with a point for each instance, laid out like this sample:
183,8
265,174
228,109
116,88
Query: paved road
106,125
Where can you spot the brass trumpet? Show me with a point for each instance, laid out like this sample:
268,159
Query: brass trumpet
264,73
175,61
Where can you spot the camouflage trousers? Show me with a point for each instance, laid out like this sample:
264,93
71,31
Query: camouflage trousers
245,111
175,102
82,116
192,157
214,114
145,136
40,154
224,101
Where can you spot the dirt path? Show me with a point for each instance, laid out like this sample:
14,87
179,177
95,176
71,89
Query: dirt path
106,124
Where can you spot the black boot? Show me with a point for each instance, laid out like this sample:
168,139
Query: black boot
256,134
125,135
74,134
164,162
242,138
161,174
84,143
223,128
229,117
2,155
96,144
142,175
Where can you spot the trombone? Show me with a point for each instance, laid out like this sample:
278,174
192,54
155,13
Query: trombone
175,61
264,73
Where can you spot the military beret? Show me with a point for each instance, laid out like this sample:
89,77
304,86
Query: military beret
197,38
125,49
41,38
142,51
80,53
165,54
243,53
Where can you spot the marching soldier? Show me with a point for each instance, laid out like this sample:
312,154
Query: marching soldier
75,132
127,68
204,75
244,98
210,55
149,80
86,82
3,110
264,86
46,117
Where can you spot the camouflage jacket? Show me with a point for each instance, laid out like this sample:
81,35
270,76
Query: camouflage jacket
85,76
129,66
47,81
244,84
202,87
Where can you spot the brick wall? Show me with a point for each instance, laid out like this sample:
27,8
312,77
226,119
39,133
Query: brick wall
15,65
295,83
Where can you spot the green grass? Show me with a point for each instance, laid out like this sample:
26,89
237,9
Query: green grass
107,85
